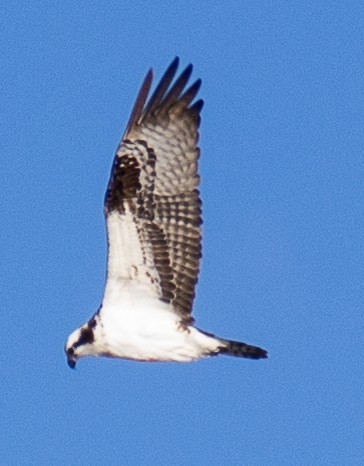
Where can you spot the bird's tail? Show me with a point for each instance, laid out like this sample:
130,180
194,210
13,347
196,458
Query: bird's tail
242,350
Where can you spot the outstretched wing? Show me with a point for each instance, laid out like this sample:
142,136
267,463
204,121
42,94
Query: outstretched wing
152,203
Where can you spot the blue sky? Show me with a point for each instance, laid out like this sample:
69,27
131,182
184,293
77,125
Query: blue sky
282,185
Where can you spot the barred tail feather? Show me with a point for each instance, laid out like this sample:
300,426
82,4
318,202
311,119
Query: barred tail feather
242,350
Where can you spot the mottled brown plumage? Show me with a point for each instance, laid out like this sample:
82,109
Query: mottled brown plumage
153,218
155,174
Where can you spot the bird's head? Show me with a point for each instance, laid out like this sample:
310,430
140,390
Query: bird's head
79,343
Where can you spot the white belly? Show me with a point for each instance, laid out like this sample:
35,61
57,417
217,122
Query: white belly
136,326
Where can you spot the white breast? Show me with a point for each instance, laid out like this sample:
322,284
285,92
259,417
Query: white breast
136,325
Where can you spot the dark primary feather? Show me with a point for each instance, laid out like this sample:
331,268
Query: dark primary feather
140,100
162,87
155,175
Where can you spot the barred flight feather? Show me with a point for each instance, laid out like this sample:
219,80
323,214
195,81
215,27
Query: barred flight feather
155,174
153,217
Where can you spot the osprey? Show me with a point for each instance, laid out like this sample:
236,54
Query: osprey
153,219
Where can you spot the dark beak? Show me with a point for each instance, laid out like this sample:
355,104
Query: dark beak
71,360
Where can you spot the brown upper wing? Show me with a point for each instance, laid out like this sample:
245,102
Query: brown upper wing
155,181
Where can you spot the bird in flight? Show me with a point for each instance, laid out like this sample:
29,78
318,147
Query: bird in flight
153,219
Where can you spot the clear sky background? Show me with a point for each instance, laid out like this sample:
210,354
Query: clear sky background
282,184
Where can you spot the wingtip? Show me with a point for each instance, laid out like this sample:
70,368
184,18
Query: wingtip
197,106
175,61
149,75
140,101
173,66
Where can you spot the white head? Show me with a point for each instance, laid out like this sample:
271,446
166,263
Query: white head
80,342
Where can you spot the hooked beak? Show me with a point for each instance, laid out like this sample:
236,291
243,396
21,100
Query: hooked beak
71,360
